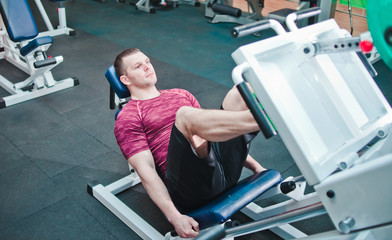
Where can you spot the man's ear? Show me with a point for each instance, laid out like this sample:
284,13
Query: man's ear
125,80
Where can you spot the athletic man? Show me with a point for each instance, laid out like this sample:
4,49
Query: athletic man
184,155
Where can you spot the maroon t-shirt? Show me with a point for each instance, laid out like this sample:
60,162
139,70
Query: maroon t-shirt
146,124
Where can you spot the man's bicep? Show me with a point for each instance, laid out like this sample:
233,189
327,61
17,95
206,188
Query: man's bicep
142,160
130,136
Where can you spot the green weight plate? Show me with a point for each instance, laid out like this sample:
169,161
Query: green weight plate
379,17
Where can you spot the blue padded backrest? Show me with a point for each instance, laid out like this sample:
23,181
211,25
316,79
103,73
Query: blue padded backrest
223,207
119,88
18,20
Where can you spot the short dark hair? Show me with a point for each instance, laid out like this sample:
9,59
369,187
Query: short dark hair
118,62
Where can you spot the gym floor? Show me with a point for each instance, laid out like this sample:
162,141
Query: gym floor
51,147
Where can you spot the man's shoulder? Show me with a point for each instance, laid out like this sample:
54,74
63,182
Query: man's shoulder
128,110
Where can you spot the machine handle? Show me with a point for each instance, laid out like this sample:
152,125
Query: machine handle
45,62
258,26
367,65
250,28
307,13
259,115
301,14
112,103
217,232
261,118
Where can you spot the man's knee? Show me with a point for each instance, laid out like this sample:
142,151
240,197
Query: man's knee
183,120
234,101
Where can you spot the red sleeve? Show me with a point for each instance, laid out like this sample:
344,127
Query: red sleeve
194,101
129,134
191,98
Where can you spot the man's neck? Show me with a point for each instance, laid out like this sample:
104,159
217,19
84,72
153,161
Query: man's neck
144,94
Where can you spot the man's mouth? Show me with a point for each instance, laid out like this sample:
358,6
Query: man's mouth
149,75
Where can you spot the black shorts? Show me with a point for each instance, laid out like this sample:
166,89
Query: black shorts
193,181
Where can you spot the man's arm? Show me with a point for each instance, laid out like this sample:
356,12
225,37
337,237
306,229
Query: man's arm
144,165
253,165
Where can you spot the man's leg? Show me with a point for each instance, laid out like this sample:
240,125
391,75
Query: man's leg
199,125
214,125
194,179
234,101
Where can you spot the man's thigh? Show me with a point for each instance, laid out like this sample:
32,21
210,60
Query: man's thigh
193,181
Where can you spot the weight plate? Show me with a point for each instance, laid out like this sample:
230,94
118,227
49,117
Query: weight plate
379,17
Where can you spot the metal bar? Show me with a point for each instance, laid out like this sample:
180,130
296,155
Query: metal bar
123,183
44,15
22,96
354,14
299,214
123,212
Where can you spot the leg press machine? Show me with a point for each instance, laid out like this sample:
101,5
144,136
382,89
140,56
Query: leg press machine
218,212
321,98
21,47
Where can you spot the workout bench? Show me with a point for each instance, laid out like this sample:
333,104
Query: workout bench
218,211
28,53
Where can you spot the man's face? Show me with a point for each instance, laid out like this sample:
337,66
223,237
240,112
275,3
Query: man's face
139,72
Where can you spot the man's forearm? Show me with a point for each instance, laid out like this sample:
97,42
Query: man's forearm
143,163
158,193
253,165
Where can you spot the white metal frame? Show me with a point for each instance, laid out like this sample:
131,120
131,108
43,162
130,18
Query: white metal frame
107,196
333,119
62,28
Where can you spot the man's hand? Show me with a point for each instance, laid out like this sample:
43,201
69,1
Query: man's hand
253,165
143,163
185,226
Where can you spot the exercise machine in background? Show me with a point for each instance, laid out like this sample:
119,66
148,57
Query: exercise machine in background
62,28
222,11
150,6
281,14
22,48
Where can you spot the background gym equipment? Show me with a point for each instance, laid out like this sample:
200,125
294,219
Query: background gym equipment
28,53
350,4
222,11
150,6
62,28
281,14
